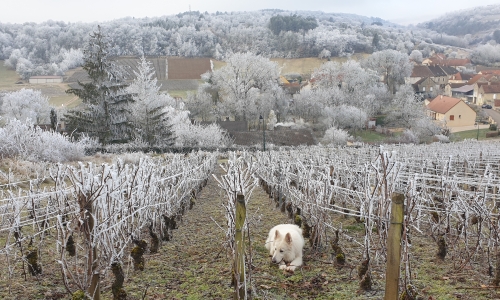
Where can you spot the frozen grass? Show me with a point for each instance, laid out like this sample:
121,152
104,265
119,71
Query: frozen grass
8,78
55,92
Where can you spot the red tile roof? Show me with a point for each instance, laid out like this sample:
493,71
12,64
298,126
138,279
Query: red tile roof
475,79
453,62
442,104
495,72
466,76
491,89
421,71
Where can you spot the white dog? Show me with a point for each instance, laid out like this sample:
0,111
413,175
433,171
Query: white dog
285,243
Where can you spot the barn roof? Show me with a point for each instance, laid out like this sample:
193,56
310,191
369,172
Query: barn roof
45,77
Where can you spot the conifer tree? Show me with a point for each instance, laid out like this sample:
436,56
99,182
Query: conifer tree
105,112
150,116
53,119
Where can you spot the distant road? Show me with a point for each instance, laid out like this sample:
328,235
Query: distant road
493,114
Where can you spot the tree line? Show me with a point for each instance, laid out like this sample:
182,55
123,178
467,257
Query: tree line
51,48
294,23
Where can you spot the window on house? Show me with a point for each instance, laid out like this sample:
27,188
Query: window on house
460,116
423,89
452,117
494,96
431,89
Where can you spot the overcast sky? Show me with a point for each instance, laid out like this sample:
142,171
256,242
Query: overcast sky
398,11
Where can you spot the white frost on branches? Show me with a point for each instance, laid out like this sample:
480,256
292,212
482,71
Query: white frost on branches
29,142
26,104
336,136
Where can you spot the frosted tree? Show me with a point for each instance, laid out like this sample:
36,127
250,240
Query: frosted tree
416,56
325,54
349,84
486,54
405,109
345,116
105,114
307,105
392,65
26,105
201,104
271,120
242,80
149,117
426,129
70,59
336,136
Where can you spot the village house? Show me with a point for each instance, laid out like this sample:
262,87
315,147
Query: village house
452,112
460,78
488,70
439,75
434,59
418,73
490,94
477,81
440,59
460,90
425,88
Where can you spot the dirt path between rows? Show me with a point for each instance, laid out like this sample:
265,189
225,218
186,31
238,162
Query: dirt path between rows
194,265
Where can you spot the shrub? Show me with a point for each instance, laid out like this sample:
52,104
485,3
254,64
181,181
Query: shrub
193,135
441,138
491,134
408,137
336,136
29,142
493,127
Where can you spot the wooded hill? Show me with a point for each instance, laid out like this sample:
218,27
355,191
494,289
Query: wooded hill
479,22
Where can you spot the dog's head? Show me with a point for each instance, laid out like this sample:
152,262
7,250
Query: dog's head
283,248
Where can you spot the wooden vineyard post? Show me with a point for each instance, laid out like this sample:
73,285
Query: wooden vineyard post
280,197
239,259
394,248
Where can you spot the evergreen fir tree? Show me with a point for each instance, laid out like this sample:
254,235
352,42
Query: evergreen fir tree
53,119
105,114
150,117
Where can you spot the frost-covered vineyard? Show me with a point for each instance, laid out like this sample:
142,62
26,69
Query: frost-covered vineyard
451,196
95,212
97,217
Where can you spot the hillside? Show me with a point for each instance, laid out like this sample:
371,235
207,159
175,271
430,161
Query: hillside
478,22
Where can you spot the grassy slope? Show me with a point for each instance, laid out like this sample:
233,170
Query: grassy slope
55,92
470,134
8,78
